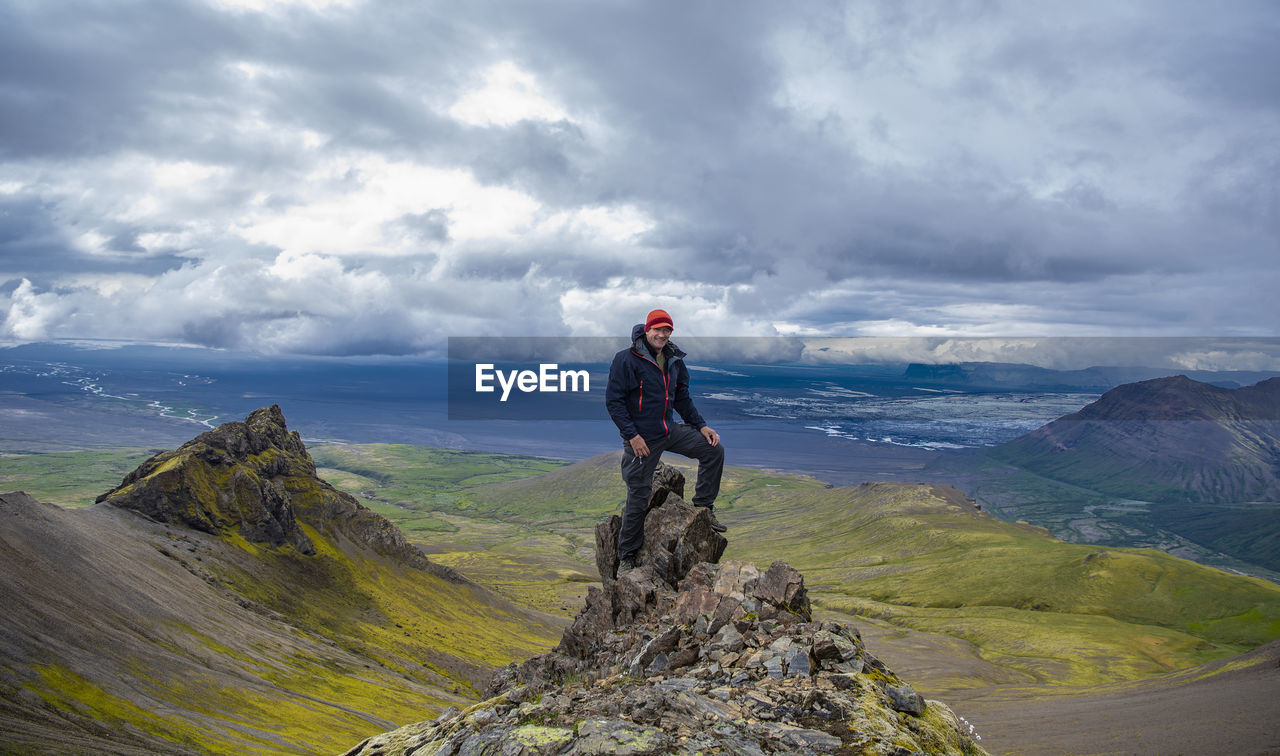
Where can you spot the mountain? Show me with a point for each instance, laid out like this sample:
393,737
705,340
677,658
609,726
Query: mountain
256,480
129,634
1017,376
1169,439
687,655
224,599
1203,461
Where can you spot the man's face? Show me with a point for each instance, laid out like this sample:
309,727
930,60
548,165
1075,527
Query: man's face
658,336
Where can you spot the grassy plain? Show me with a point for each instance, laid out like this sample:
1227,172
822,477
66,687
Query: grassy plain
496,540
522,526
69,479
1061,614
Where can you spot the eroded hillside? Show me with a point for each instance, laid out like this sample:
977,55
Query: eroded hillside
225,599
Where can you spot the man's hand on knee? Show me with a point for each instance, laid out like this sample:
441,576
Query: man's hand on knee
712,437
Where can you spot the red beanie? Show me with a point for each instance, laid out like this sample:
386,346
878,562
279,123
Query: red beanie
658,318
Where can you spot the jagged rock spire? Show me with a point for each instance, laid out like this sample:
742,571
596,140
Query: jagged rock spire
676,535
683,655
228,479
256,479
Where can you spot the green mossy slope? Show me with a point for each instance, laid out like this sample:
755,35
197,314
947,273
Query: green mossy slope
252,609
923,557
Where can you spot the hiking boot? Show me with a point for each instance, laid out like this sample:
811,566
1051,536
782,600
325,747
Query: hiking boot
716,525
626,565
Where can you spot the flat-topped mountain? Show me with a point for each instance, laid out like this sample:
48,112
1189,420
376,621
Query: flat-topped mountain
1205,459
1168,439
1181,398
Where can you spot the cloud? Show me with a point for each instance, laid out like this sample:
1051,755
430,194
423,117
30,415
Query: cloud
508,96
1058,353
371,176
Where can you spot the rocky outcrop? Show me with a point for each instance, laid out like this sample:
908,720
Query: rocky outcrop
256,480
124,634
684,655
230,478
676,535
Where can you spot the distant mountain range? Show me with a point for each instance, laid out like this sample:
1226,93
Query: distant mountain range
997,375
1202,461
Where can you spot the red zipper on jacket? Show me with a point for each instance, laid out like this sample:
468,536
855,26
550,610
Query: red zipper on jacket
666,392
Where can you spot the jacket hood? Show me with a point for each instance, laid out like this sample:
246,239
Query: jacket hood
638,342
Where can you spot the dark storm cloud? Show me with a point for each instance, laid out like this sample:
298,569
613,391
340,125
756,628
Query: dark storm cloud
737,182
950,166
80,78
35,246
1225,54
658,70
157,75
544,158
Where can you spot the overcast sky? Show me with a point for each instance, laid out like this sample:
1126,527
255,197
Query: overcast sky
365,177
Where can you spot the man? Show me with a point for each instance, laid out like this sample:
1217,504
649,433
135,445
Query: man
646,382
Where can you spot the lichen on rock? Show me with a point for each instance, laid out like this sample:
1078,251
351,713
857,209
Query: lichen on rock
685,655
232,478
256,480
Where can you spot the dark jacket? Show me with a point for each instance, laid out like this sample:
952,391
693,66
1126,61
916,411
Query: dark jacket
640,397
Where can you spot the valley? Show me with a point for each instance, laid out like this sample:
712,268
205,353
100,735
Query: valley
1024,634
1173,464
1037,641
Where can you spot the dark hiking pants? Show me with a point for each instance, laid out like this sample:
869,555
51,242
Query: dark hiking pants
637,472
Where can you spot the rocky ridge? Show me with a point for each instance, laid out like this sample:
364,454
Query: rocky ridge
224,599
256,479
686,655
